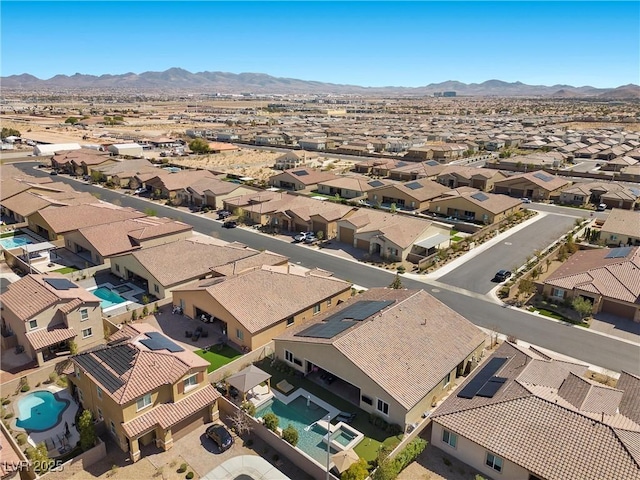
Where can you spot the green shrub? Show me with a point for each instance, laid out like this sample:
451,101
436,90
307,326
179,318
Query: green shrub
21,438
290,435
183,468
409,453
189,476
6,401
271,421
25,388
8,416
53,376
249,408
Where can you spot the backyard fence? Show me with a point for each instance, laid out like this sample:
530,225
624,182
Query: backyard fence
274,441
79,463
128,316
244,361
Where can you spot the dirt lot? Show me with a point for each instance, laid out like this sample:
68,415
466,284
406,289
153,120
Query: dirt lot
247,162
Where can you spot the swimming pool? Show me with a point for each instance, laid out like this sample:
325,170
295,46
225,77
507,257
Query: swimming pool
39,411
108,298
14,242
301,416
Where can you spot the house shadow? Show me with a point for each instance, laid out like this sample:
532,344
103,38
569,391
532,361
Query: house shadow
614,325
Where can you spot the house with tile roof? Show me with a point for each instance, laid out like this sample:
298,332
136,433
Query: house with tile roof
536,185
391,236
79,162
98,243
296,159
526,415
414,195
461,176
170,185
475,206
123,172
379,167
212,192
20,206
163,268
54,222
43,313
146,388
410,171
622,227
300,179
392,353
350,187
608,278
262,302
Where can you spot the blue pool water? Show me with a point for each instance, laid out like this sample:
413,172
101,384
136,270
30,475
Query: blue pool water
300,416
108,297
39,411
14,242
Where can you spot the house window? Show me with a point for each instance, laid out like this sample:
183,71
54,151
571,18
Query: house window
367,400
437,208
329,303
87,332
494,462
190,382
289,321
239,334
144,402
557,292
100,417
316,308
33,324
84,314
383,407
156,288
117,268
447,379
112,427
450,438
99,392
288,356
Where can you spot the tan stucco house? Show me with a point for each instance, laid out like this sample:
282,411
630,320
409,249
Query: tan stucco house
145,388
485,208
414,195
534,185
622,227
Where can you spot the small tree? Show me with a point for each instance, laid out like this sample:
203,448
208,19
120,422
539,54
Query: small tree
87,430
583,306
199,145
526,286
271,421
39,458
320,235
357,471
241,423
72,120
387,470
9,132
397,283
73,347
290,435
393,208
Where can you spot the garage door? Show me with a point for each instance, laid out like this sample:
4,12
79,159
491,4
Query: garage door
346,235
362,245
618,309
189,424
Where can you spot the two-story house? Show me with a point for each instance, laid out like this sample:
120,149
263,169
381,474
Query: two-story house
145,388
43,313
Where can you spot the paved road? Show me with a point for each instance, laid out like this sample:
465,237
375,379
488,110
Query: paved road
476,274
576,342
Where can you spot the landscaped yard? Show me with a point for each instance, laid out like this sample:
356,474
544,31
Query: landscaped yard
374,437
218,356
64,270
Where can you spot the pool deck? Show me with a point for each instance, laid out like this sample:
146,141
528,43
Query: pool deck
250,465
54,437
128,295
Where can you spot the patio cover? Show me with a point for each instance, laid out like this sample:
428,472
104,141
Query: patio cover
344,459
432,241
50,336
248,378
38,247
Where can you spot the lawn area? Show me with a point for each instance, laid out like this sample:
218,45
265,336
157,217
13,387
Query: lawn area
374,437
64,270
218,357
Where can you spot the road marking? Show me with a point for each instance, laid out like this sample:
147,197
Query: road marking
508,243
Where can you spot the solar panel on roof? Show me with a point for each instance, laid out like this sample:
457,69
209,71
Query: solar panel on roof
157,341
620,252
413,185
471,389
635,191
481,197
60,283
543,177
402,164
300,173
326,329
432,163
489,389
119,358
107,379
375,183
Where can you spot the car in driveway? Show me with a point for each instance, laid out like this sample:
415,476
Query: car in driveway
220,436
301,237
229,224
525,200
310,238
222,214
501,275
602,207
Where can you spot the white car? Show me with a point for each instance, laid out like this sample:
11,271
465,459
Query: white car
301,237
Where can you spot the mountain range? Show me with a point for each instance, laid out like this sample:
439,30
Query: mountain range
178,79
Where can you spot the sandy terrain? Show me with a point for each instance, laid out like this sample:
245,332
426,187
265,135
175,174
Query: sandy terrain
247,162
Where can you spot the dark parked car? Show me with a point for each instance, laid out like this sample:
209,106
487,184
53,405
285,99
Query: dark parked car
501,275
222,214
220,436
229,224
53,172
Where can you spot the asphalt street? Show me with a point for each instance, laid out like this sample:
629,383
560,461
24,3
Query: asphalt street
604,351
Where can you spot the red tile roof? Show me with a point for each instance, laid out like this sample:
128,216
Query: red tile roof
50,336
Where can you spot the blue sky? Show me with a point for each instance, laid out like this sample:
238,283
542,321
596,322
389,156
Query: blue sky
361,43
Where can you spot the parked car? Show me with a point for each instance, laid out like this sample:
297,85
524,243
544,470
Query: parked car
222,214
602,207
53,172
220,436
310,238
229,224
139,190
525,200
300,237
501,275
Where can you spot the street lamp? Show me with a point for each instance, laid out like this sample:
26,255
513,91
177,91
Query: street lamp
328,442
